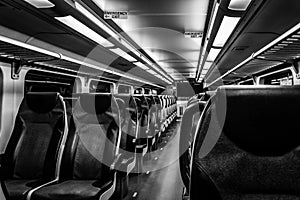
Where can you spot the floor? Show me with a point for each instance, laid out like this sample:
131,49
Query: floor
163,181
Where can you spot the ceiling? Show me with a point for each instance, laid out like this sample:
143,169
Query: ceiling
158,28
264,22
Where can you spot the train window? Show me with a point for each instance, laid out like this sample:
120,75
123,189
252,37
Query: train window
138,91
100,87
38,81
124,89
147,91
281,78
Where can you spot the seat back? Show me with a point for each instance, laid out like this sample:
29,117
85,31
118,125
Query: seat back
158,111
129,121
143,105
92,147
33,148
152,114
247,145
188,126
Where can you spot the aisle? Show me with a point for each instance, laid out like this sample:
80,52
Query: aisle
164,181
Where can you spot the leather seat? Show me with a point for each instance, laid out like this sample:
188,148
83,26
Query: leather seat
129,121
89,160
247,145
32,152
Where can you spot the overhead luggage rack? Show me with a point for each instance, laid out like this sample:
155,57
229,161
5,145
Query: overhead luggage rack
284,49
33,56
15,52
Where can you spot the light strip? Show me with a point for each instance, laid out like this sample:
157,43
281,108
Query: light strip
40,3
213,53
84,30
268,46
227,26
98,21
123,54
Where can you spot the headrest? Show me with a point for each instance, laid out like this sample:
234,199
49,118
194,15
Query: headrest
41,102
261,120
96,103
130,101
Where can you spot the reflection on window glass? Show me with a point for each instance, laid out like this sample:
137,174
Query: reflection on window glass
123,89
138,91
281,78
100,87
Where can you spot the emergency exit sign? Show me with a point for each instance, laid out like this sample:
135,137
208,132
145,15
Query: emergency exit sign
115,15
193,34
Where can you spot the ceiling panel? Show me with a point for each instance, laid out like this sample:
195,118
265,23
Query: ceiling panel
159,26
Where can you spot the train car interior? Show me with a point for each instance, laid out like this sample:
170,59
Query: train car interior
149,100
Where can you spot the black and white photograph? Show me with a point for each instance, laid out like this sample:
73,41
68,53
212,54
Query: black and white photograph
149,99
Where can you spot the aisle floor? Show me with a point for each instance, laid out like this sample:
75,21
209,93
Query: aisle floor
164,181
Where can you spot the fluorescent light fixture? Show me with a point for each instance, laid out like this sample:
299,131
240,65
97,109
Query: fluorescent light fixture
98,21
83,29
141,65
123,54
240,5
40,3
204,71
227,26
213,54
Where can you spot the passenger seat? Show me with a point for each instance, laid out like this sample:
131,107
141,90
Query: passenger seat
247,145
90,159
33,149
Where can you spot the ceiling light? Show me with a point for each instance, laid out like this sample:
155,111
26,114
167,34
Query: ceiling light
141,65
94,19
227,26
83,29
240,5
123,54
40,3
213,54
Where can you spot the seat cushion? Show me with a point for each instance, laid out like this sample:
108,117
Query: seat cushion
70,190
18,188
